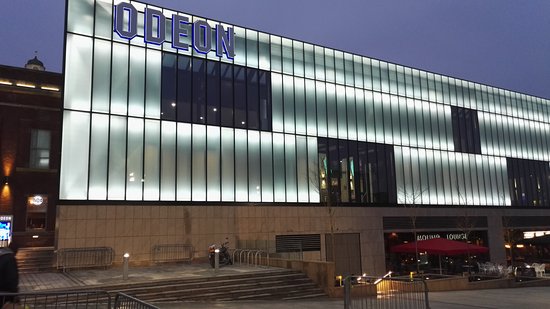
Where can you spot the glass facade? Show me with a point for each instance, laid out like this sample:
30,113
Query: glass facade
287,122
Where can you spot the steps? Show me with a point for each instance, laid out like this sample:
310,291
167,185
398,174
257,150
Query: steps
278,284
35,259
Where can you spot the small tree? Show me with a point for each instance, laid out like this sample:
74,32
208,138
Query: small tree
412,198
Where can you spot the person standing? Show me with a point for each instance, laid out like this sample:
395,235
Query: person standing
9,274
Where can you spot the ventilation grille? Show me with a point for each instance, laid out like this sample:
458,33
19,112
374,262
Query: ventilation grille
298,243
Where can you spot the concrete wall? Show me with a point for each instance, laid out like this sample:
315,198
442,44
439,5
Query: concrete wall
136,228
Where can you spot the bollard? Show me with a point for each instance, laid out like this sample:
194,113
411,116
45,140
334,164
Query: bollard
125,259
216,259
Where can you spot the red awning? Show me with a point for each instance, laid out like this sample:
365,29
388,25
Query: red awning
440,246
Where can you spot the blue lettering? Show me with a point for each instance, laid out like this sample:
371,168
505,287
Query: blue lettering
120,11
178,31
202,28
154,18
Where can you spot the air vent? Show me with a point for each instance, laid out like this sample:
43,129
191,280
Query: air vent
298,243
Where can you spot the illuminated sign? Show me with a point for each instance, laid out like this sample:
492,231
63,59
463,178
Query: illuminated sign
126,26
451,236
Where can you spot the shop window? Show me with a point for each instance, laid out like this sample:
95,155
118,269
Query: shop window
40,149
37,206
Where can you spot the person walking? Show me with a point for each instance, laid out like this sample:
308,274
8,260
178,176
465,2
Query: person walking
9,275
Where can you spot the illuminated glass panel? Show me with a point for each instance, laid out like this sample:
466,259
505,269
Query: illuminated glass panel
322,128
279,167
117,158
119,80
102,76
319,63
287,56
151,158
276,54
75,150
241,163
134,159
227,165
361,115
300,105
357,71
341,111
213,163
99,150
313,166
152,86
351,113
298,56
198,165
309,61
240,46
290,168
264,51
348,69
331,110
302,169
103,18
184,147
251,48
311,108
267,166
254,167
339,67
80,17
78,73
329,65
369,109
277,103
136,96
289,112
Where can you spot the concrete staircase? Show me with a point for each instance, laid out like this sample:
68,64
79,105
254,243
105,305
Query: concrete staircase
35,259
279,284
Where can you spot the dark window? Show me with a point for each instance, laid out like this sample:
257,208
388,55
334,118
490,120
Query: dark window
226,95
213,93
169,84
528,181
185,82
239,89
199,91
252,98
39,156
356,172
265,100
465,130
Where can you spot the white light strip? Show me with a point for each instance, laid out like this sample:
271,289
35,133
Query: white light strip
49,88
26,85
6,82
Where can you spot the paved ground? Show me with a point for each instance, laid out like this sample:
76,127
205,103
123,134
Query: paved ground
538,297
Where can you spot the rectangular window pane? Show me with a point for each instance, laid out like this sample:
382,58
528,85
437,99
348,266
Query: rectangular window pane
302,169
241,166
134,160
184,162
309,61
329,65
78,73
198,163
351,113
168,162
254,176
117,158
102,76
119,81
299,97
136,96
213,163
277,103
288,90
312,170
321,109
99,145
251,48
370,122
240,46
339,67
228,165
151,172
311,112
287,57
276,54
74,162
319,63
279,167
264,51
290,168
332,111
80,16
152,87
298,56
267,167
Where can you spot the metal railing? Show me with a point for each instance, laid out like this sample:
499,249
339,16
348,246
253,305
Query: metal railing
84,257
385,292
172,253
76,299
250,256
123,301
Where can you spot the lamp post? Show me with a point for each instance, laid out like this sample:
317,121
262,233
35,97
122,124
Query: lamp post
125,259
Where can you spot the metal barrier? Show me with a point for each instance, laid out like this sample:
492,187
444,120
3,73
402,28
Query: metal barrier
124,301
250,256
371,292
172,253
76,299
84,257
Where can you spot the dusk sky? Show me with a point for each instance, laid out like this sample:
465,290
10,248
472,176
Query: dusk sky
503,43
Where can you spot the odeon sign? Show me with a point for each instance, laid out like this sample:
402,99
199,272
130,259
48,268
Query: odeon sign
125,25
